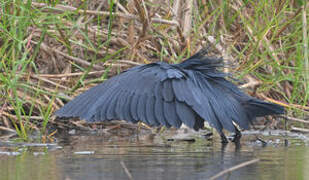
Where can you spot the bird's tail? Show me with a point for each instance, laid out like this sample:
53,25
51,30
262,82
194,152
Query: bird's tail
258,108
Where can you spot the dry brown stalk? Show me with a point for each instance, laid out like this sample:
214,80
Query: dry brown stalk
6,121
297,106
229,170
69,74
176,10
131,29
14,117
49,81
51,101
143,15
75,59
63,8
122,8
30,98
126,170
297,129
295,119
252,83
7,129
187,24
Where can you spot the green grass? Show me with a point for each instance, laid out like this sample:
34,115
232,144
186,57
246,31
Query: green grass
265,40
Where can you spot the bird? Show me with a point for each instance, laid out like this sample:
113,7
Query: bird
163,94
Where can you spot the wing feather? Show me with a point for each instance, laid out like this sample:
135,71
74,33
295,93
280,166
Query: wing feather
169,110
189,91
159,113
217,104
110,110
119,110
141,108
167,90
185,113
150,111
100,107
233,106
127,109
133,106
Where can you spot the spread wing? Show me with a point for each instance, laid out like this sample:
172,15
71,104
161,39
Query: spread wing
161,94
211,101
143,93
214,98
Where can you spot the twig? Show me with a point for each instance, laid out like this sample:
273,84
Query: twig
252,83
297,129
24,117
7,129
234,168
13,117
126,170
63,8
116,65
48,81
129,62
7,137
48,99
5,121
68,74
283,104
75,59
261,140
294,119
80,125
31,99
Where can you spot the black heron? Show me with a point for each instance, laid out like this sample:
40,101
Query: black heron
157,94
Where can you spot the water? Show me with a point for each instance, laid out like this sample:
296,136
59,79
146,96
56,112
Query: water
81,157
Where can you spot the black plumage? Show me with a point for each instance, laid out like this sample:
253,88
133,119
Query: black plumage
191,92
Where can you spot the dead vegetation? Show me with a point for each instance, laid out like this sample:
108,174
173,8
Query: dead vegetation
58,50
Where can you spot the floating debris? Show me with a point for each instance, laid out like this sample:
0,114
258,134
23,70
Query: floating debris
84,152
9,153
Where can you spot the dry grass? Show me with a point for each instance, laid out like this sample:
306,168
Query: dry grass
52,52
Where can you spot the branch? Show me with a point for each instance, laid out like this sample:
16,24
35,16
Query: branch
234,168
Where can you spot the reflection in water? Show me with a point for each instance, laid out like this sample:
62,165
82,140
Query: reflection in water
28,166
157,166
147,160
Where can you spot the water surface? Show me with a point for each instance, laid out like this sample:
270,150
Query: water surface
98,157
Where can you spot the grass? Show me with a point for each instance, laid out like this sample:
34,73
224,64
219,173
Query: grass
52,51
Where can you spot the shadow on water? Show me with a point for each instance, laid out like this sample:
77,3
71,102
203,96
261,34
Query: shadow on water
99,157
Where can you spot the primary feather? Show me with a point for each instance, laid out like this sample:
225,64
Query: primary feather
191,92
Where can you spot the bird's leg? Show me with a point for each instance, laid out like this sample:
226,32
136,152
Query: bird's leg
236,137
223,138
